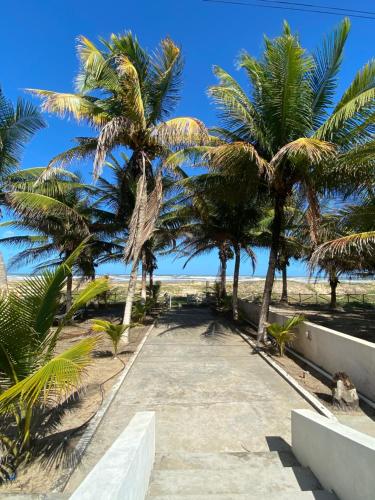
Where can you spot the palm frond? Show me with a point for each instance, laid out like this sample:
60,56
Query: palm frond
96,69
357,245
90,291
54,381
323,77
109,135
79,106
17,125
36,204
359,98
165,81
132,92
312,150
182,132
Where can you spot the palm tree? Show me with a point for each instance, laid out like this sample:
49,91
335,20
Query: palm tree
126,94
59,212
288,133
119,194
18,124
211,218
292,239
349,243
329,228
36,384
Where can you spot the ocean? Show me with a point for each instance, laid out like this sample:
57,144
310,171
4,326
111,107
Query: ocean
183,278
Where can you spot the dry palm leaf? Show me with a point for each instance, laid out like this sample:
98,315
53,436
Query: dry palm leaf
145,213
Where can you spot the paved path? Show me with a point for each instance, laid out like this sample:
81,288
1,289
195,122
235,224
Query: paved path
211,394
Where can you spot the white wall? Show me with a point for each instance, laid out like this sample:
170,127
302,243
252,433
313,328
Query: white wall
331,350
124,470
342,458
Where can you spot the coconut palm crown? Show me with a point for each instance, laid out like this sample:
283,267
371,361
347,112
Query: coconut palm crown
126,95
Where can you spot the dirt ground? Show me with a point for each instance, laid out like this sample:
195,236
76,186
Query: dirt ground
313,381
101,376
317,384
356,321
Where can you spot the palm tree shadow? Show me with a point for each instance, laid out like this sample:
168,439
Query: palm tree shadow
54,448
215,332
102,354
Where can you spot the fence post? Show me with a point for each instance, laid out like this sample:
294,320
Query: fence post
300,299
363,298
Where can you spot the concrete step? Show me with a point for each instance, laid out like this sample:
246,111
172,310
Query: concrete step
224,460
297,495
249,480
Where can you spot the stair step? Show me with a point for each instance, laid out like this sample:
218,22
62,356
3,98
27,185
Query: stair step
254,480
297,495
225,460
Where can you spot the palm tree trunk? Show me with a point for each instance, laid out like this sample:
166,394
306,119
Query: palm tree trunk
3,275
270,276
144,278
223,274
284,293
333,282
129,299
237,253
69,287
151,283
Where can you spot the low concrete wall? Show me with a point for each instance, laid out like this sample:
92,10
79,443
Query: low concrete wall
331,350
249,310
124,470
342,458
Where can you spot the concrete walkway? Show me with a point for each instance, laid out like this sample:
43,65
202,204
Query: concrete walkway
211,396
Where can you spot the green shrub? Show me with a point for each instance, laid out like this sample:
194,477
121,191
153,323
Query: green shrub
284,334
139,311
114,331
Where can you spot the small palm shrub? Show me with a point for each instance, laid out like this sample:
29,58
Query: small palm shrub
113,330
225,303
37,386
139,311
156,289
284,334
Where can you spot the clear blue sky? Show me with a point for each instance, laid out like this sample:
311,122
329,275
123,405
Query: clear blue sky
38,41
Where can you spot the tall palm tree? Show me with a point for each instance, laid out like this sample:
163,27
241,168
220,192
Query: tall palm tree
126,95
288,133
120,194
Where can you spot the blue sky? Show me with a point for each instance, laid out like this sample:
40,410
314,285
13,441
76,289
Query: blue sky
38,50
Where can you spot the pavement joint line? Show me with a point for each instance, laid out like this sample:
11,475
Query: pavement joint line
92,427
197,403
315,403
194,345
